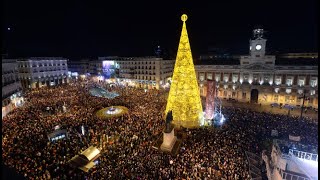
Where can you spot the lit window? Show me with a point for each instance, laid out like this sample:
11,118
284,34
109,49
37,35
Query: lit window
209,76
225,86
277,81
201,77
276,90
312,92
217,77
289,82
276,98
287,99
301,82
288,91
300,91
234,78
234,87
226,77
313,83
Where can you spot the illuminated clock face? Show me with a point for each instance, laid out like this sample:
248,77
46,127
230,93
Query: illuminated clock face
258,47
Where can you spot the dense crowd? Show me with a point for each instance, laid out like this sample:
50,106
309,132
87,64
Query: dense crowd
206,153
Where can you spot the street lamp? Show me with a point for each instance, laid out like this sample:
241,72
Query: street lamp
303,99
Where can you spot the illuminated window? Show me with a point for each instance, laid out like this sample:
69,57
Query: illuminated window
235,78
277,81
287,99
300,91
234,87
312,92
288,91
209,76
313,83
289,81
201,77
301,82
276,90
276,98
226,77
217,77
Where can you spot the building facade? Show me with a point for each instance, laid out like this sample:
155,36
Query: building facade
78,67
146,72
141,72
11,86
37,72
261,78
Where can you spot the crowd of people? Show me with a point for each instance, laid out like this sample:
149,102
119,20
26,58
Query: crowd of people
205,153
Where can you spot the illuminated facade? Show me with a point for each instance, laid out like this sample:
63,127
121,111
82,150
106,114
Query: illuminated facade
261,78
11,86
37,72
211,91
142,72
184,96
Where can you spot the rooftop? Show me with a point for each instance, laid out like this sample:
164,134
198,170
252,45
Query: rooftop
297,61
223,61
42,58
278,61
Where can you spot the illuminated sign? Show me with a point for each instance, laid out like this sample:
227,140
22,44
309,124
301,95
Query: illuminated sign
108,68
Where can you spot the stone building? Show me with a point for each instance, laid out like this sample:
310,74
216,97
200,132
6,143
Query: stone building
262,78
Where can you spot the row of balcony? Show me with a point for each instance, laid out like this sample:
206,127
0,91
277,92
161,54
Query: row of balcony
264,83
43,75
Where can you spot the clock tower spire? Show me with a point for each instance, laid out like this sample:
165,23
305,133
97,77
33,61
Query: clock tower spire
258,44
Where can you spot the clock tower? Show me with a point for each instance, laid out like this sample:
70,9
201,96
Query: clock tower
257,44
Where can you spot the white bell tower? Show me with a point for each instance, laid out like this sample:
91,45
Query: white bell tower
257,44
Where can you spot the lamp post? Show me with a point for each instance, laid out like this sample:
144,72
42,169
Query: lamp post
303,99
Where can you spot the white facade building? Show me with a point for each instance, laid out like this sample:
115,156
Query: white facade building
36,72
146,72
11,86
142,72
262,78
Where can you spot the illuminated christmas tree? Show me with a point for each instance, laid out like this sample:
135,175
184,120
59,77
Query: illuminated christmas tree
184,96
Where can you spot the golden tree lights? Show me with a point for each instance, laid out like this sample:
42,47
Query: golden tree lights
184,96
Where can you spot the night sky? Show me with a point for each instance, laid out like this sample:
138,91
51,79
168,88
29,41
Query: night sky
78,29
